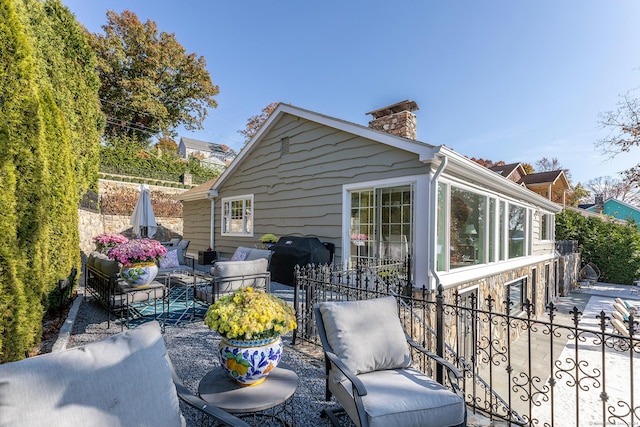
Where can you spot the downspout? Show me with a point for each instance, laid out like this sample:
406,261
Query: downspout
211,195
434,225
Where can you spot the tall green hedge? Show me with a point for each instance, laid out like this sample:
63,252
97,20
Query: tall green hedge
43,163
613,247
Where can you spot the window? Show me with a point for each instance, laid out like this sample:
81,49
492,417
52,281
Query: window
474,227
381,223
237,215
517,221
516,295
546,227
467,228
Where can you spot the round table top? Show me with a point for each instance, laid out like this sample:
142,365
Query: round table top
218,389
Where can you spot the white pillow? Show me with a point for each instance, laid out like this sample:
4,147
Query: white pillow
170,259
121,380
367,334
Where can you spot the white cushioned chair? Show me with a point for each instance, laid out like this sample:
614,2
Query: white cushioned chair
229,276
370,373
124,380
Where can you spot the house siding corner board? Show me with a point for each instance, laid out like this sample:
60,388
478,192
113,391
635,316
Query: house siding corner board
300,192
197,224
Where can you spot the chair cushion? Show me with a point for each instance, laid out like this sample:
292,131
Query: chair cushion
240,254
405,398
366,335
170,259
122,380
258,253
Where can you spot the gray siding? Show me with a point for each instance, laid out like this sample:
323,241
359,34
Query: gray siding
300,192
197,224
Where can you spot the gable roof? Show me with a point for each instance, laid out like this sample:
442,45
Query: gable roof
507,170
426,153
550,177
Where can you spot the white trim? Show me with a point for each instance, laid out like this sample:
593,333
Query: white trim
480,271
222,217
420,184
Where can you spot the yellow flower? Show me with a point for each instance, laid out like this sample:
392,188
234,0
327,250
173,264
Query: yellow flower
250,314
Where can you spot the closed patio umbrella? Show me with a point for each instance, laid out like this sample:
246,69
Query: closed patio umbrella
143,220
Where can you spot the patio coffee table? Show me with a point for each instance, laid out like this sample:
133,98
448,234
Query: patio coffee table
269,403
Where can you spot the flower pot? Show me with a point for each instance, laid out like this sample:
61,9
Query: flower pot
139,274
249,362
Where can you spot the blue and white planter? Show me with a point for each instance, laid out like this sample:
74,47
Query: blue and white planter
249,362
139,275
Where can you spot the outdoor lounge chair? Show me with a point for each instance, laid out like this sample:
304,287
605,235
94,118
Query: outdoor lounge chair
124,380
228,276
631,308
370,373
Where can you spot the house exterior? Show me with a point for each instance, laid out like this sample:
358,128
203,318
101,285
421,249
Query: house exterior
615,209
375,194
215,154
552,185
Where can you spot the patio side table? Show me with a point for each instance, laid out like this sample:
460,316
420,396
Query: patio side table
268,403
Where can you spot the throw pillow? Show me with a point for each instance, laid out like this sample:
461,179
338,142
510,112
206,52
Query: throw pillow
239,256
170,259
367,335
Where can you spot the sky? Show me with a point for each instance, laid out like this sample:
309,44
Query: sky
494,79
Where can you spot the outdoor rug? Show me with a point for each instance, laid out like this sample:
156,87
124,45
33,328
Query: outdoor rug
181,308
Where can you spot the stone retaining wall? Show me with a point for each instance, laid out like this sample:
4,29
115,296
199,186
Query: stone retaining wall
90,224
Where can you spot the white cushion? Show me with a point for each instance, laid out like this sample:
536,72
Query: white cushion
366,335
405,398
123,380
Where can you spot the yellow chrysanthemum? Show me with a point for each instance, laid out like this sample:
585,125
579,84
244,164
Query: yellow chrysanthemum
250,314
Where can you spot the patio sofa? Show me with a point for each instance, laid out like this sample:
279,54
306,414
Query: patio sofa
228,276
116,296
124,380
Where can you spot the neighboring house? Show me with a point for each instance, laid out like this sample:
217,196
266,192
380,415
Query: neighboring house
615,209
552,185
376,194
215,154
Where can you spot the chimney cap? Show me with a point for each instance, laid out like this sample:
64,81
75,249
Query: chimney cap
394,108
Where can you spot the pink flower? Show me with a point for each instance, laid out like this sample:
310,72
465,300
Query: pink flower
109,239
134,251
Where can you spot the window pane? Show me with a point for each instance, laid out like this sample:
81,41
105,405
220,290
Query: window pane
502,221
544,227
467,228
517,217
492,230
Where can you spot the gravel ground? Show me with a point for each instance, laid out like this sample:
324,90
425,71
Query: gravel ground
192,346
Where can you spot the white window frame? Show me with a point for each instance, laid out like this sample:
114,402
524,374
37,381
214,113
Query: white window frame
247,220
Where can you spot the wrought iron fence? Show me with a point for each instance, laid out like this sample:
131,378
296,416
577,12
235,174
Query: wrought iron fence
518,368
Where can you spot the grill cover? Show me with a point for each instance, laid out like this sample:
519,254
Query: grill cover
290,251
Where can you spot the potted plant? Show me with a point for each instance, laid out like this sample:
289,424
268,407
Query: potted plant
106,241
251,322
138,258
268,240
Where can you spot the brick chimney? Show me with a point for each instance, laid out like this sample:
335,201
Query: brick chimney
397,119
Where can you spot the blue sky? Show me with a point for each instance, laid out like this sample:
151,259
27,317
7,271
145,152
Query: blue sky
500,80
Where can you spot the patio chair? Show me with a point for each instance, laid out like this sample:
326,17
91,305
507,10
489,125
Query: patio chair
126,379
631,308
590,273
369,369
622,310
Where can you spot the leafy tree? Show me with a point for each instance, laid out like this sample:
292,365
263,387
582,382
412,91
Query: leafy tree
624,126
254,122
167,145
149,84
487,163
528,168
579,195
552,164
